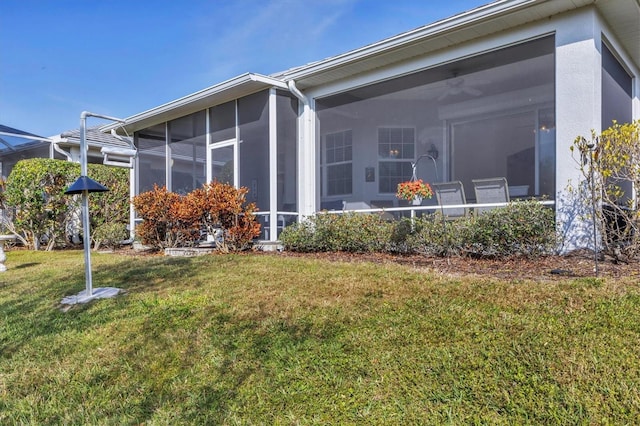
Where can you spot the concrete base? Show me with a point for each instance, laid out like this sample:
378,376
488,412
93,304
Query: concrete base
188,251
98,293
268,246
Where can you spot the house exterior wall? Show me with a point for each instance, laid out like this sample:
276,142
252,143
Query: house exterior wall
578,102
280,154
578,105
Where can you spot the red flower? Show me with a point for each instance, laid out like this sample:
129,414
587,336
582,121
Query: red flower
414,188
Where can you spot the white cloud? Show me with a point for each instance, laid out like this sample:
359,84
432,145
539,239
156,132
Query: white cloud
259,36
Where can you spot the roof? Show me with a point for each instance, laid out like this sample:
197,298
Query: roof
94,138
621,15
14,140
229,90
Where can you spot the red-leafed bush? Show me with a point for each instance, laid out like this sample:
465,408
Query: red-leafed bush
164,224
223,212
220,210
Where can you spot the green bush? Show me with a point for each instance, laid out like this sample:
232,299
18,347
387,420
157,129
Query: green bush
525,228
43,213
433,236
109,234
349,232
300,237
109,211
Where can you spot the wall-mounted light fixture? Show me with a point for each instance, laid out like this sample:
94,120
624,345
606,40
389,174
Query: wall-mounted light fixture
433,152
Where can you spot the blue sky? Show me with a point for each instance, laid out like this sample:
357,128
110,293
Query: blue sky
121,57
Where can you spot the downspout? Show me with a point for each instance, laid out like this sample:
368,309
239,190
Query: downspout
62,151
306,157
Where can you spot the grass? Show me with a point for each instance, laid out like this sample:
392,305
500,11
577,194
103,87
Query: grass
255,339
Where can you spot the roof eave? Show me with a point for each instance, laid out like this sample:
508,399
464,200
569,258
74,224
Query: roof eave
244,84
472,17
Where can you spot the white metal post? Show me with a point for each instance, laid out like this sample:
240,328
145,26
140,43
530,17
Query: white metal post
88,293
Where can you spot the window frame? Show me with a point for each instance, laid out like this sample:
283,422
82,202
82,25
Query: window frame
401,159
328,166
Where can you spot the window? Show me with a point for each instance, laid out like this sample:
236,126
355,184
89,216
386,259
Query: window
338,150
396,151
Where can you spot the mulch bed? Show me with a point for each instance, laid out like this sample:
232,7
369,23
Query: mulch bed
576,264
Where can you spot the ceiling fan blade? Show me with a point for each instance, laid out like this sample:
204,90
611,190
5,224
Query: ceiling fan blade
443,96
472,91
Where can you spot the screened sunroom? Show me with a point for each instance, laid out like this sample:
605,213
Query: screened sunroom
16,145
249,141
490,115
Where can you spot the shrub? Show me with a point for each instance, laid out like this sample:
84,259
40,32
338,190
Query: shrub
43,213
222,210
109,234
434,237
300,237
610,165
521,228
349,232
109,211
164,222
35,188
172,220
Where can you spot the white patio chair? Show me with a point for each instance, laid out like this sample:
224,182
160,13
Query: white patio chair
449,194
492,190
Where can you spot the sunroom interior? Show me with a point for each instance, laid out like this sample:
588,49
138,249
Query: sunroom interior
490,115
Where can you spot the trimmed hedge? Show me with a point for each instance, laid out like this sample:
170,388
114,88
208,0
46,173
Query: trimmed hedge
42,213
350,232
524,228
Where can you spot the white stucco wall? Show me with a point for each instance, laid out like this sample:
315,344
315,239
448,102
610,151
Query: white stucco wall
578,111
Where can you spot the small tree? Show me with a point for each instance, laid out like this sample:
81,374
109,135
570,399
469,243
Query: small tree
610,164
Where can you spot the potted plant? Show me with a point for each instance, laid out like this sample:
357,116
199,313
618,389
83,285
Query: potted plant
414,191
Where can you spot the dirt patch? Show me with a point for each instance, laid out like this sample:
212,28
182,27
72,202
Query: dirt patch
577,264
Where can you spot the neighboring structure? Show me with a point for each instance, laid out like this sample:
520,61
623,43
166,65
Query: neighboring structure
498,91
68,144
16,145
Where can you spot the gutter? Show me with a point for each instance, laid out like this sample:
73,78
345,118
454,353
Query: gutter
55,140
62,151
185,101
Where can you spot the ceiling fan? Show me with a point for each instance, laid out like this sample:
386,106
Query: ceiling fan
457,86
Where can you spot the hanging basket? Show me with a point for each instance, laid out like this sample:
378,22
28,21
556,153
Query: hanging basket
413,191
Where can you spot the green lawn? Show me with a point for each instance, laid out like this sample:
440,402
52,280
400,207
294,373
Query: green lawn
264,339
